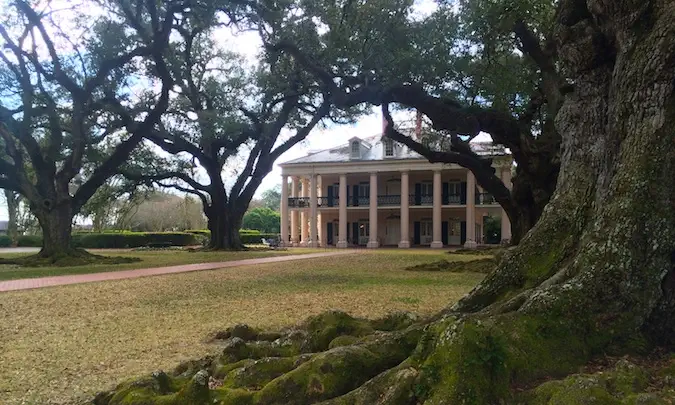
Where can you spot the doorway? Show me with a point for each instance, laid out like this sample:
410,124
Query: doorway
392,232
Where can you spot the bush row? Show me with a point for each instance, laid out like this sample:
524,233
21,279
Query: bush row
5,241
120,240
248,236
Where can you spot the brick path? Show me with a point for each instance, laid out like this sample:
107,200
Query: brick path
28,283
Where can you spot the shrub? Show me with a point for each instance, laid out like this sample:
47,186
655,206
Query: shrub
29,241
256,239
248,236
120,240
5,241
202,232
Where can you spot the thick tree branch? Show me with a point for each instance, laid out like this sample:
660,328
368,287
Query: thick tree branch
484,172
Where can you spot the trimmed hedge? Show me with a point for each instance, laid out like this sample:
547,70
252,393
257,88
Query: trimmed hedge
29,241
121,240
5,241
133,239
248,236
257,239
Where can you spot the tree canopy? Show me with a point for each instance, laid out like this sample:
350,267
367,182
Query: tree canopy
70,112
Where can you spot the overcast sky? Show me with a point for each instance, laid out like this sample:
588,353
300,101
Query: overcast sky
320,138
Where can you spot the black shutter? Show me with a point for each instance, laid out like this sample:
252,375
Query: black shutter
446,192
444,232
330,196
349,238
418,194
355,196
462,193
329,233
477,194
355,231
417,229
462,232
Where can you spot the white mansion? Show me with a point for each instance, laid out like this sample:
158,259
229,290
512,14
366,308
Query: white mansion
374,192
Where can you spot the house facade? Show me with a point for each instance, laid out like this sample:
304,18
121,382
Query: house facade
374,192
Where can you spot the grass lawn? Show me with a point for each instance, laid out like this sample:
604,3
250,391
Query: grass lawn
60,343
149,258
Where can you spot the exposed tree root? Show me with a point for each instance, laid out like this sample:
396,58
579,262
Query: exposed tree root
476,266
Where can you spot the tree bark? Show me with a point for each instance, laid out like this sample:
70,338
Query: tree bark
13,215
56,224
224,229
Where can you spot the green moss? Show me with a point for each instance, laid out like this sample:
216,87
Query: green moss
241,331
395,321
476,266
327,375
540,267
221,370
339,370
148,392
344,340
325,327
236,350
624,384
256,374
226,396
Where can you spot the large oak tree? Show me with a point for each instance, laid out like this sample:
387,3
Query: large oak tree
72,80
595,274
228,125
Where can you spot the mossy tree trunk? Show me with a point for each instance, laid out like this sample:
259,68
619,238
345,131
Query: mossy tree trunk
223,215
224,229
56,224
12,215
597,271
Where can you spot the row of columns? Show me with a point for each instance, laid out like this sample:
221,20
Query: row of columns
309,226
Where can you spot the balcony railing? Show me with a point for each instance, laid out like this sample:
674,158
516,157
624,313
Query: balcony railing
298,202
452,199
485,199
389,200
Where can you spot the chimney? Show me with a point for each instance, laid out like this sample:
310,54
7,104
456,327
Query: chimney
418,125
384,125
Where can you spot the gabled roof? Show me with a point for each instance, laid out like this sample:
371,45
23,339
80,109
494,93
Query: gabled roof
374,151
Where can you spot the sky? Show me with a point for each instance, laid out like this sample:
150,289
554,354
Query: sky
321,137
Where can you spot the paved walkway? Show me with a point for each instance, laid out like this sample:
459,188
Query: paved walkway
28,283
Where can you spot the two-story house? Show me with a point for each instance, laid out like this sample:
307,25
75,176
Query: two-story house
375,192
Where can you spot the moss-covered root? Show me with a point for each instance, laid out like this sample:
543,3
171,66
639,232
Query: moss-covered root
396,386
476,361
157,391
339,370
625,384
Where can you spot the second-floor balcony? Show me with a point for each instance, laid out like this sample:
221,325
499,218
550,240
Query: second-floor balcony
390,201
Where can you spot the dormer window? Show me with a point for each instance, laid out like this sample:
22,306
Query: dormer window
355,149
388,147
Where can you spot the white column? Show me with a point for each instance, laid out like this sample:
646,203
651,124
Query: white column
294,213
304,220
506,223
313,211
342,231
372,239
470,211
284,210
437,242
405,214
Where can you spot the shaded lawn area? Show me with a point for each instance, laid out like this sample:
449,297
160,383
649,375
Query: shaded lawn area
60,343
149,258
